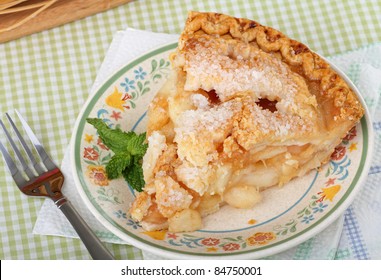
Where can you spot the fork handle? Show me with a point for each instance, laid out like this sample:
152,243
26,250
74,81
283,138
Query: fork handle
95,247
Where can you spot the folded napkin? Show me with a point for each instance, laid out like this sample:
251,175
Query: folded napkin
352,236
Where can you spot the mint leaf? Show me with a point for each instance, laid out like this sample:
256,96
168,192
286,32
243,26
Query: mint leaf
129,149
115,139
136,145
117,164
134,175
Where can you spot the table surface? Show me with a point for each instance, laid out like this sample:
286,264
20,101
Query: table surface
47,76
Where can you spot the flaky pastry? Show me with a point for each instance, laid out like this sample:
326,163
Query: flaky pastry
245,108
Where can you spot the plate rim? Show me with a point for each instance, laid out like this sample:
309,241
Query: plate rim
305,234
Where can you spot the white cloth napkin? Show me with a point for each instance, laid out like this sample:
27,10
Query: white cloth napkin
359,238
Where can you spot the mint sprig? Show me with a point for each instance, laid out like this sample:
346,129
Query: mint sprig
134,175
129,149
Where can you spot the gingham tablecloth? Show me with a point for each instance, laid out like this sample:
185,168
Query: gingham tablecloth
47,76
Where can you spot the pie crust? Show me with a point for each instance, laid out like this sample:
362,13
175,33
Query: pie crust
245,108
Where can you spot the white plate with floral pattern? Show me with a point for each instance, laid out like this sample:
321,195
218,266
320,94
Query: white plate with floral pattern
286,217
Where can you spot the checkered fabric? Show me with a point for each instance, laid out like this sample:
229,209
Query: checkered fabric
47,77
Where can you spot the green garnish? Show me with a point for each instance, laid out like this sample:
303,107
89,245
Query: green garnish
129,149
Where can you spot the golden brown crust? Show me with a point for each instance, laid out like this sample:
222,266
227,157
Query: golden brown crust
337,95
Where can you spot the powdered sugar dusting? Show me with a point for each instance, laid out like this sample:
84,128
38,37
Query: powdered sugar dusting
211,119
214,65
200,101
170,194
276,122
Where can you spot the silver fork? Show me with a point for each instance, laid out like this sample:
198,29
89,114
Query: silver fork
46,181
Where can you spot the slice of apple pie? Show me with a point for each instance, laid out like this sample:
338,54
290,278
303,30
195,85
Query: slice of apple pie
245,108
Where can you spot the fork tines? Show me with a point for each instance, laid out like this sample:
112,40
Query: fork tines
36,167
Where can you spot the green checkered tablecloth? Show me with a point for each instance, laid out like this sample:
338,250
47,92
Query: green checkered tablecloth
47,76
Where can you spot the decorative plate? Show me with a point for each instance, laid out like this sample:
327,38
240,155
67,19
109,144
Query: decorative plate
286,217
